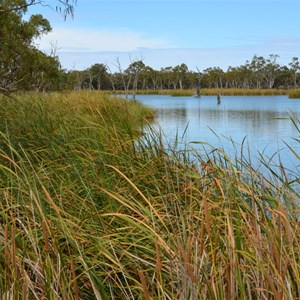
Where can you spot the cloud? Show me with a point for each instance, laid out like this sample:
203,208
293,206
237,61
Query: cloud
81,48
157,58
87,40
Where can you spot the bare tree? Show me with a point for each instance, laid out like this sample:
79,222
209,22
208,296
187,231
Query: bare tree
111,78
126,79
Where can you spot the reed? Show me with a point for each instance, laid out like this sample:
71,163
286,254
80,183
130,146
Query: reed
88,211
294,94
244,92
216,91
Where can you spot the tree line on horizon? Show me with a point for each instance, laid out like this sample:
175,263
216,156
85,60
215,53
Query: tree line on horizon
259,73
23,67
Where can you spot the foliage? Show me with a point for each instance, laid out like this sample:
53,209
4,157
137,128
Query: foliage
22,66
65,7
258,74
87,211
294,94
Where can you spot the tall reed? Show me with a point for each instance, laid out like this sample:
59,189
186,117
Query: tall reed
216,91
88,211
294,94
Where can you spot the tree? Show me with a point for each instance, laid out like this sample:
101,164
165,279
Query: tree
134,70
271,70
295,69
168,78
257,66
65,7
22,65
214,76
180,74
125,77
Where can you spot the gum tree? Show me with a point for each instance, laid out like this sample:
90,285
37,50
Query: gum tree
271,70
22,65
20,61
295,69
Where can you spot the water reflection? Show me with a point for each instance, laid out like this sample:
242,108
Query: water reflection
263,120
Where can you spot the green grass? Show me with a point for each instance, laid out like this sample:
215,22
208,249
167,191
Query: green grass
88,211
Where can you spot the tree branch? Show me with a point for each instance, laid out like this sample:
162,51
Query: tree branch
20,7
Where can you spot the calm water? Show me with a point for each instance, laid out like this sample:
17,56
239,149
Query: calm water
263,120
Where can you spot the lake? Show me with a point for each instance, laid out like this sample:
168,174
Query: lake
263,120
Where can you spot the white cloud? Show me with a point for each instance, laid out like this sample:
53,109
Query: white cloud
81,48
87,40
157,58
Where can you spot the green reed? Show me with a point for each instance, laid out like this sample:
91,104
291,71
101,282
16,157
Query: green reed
294,94
89,211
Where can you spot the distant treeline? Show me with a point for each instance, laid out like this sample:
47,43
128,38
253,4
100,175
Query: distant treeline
259,73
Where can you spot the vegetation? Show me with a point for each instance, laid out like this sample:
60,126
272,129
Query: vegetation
91,208
294,93
65,7
210,92
24,68
258,74
22,65
88,211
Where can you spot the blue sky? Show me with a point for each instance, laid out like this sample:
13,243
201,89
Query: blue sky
165,33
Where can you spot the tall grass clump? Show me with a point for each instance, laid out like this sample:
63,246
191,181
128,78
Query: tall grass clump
294,94
93,212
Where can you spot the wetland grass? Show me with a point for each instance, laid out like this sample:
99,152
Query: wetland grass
215,91
294,94
88,211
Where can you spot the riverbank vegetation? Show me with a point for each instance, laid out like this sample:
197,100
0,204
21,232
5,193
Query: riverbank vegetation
259,74
23,67
294,94
213,92
91,211
93,208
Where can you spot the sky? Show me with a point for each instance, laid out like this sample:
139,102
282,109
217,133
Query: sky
162,33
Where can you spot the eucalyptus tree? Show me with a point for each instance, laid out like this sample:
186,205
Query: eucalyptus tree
134,71
180,73
238,77
168,78
270,70
150,78
73,80
284,78
42,73
22,65
18,54
257,66
233,78
214,77
98,77
295,69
